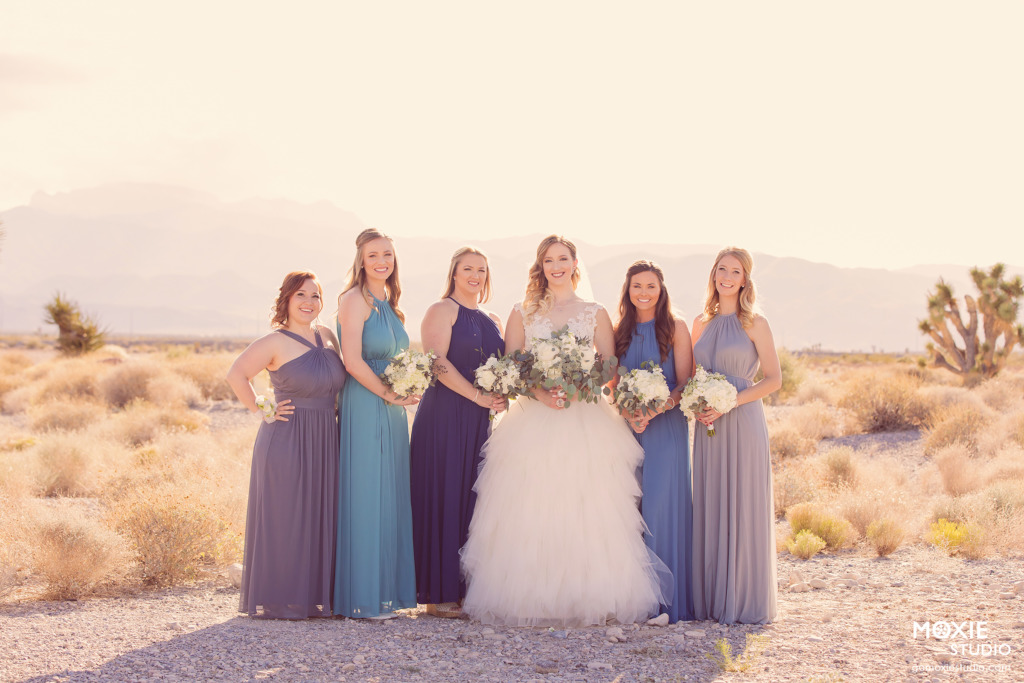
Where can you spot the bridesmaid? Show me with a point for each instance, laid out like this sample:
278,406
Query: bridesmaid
649,331
374,560
450,427
289,529
733,517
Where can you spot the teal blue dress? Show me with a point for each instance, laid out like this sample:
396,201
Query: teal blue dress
667,502
374,565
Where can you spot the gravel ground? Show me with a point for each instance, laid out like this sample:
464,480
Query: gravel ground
860,627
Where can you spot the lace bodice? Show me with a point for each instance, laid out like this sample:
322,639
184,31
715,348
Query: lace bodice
583,323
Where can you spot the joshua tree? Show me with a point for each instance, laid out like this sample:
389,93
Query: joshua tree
976,357
79,333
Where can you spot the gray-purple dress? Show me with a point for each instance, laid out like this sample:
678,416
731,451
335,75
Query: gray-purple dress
288,568
734,575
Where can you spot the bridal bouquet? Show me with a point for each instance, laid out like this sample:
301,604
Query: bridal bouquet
707,389
503,375
643,389
410,372
563,360
267,408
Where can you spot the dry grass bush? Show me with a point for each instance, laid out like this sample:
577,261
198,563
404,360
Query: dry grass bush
174,389
885,536
805,545
1003,392
816,421
17,400
75,553
786,442
141,422
64,415
886,402
816,390
954,538
75,378
840,467
791,486
793,373
837,533
1016,430
961,423
13,362
129,382
65,466
960,474
14,551
172,537
207,371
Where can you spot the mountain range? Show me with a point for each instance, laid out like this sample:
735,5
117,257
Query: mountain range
149,259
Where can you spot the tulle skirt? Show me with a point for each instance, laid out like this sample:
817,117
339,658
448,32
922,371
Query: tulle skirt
556,537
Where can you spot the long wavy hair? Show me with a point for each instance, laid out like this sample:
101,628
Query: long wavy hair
292,283
485,291
664,320
748,292
357,274
539,298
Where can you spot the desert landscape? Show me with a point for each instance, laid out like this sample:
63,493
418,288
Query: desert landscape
124,473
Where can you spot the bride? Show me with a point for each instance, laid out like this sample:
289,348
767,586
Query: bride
556,537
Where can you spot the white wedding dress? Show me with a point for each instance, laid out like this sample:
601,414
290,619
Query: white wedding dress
556,538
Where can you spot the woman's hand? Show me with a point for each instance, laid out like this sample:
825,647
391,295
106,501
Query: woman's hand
708,416
283,411
552,398
396,400
492,402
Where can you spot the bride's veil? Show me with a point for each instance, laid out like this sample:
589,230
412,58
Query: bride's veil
584,289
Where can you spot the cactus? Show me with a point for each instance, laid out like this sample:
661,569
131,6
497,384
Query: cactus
982,339
79,333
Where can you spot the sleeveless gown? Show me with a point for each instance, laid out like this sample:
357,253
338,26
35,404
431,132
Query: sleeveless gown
733,507
374,572
556,538
667,506
447,436
288,562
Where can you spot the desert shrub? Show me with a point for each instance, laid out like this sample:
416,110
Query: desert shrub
174,389
65,466
885,536
208,372
78,332
805,545
128,382
172,536
141,422
74,554
793,373
955,424
840,468
65,415
1007,497
1017,429
790,488
786,442
13,362
959,474
837,533
13,550
18,399
886,402
810,392
1002,392
816,421
958,539
746,660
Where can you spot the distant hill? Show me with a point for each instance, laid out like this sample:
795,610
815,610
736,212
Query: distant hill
148,259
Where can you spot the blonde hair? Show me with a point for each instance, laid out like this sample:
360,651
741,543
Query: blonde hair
538,299
747,303
357,274
485,291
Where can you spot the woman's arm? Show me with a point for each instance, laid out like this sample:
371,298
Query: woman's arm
436,333
353,311
261,354
761,334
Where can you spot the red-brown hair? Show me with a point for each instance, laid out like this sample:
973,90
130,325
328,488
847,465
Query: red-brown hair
292,283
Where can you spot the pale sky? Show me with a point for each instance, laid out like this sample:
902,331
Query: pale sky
871,133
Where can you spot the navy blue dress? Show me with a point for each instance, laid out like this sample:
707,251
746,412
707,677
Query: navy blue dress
447,434
667,503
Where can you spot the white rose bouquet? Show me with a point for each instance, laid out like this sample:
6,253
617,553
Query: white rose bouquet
410,372
707,389
643,389
570,362
503,375
268,409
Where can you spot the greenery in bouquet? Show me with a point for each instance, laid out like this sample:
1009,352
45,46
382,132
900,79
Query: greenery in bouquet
642,389
410,372
570,362
707,389
503,375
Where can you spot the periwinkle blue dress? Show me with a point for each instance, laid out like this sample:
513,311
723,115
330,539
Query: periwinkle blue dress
733,508
374,571
666,504
288,563
447,435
